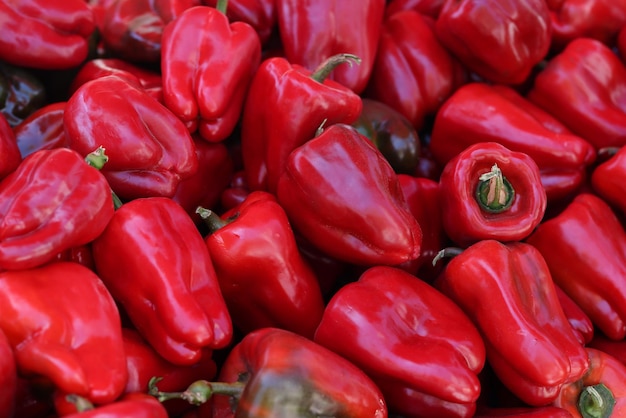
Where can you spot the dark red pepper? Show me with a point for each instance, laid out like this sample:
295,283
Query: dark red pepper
8,378
136,405
260,14
42,129
430,8
10,157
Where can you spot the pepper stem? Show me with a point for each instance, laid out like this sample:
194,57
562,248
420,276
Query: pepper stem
221,6
211,219
494,193
198,392
596,401
322,72
97,159
81,404
446,253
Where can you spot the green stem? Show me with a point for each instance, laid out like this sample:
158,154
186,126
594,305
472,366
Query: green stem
211,219
81,404
322,72
222,6
596,401
97,159
198,392
447,253
494,193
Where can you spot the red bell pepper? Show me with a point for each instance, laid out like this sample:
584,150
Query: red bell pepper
379,321
236,192
53,201
154,261
63,325
8,378
285,106
21,92
45,34
341,194
314,30
578,319
150,149
42,129
276,373
136,405
413,72
521,412
80,254
478,112
507,291
263,278
585,247
10,156
207,91
500,40
490,192
607,179
597,19
616,349
600,393
133,29
430,8
260,14
583,87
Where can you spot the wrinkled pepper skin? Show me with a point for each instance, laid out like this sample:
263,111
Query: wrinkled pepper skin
260,14
478,112
585,248
45,34
53,201
603,369
42,129
310,32
154,261
289,375
470,214
284,108
263,278
413,72
341,194
583,87
207,92
63,325
379,320
136,405
10,156
500,40
607,180
150,150
507,291
8,378
596,19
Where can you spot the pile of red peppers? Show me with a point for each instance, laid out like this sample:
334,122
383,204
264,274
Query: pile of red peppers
312,208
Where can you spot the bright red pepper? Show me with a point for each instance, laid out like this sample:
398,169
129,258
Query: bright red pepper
413,72
260,14
150,149
207,92
10,156
500,40
285,106
578,319
311,31
430,8
276,373
63,325
607,179
46,34
133,29
263,278
8,378
597,19
136,405
156,265
488,191
585,247
378,322
584,87
600,393
42,129
54,201
478,112
507,291
341,194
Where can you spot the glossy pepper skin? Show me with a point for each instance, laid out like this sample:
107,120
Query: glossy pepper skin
341,194
583,87
596,19
263,278
150,150
413,72
136,405
260,14
54,201
10,156
289,375
606,370
45,34
584,246
310,32
63,325
21,93
284,107
154,261
507,291
8,378
42,129
521,412
490,192
207,92
478,112
578,319
378,322
607,179
500,40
